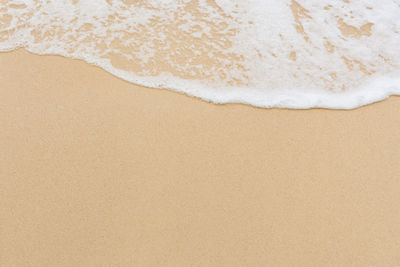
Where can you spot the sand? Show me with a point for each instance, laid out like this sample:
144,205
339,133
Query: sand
95,171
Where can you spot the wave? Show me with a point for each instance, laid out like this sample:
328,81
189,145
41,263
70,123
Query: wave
266,53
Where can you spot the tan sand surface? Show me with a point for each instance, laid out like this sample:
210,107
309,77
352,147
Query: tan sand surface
95,171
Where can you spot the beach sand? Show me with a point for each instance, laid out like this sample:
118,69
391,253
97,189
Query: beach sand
95,171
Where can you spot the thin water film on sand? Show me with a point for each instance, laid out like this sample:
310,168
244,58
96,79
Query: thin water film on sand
268,53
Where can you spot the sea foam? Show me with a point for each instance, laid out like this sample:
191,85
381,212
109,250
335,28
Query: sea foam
266,53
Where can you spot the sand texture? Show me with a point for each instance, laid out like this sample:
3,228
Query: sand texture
95,171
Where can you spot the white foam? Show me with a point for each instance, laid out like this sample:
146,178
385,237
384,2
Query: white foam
266,53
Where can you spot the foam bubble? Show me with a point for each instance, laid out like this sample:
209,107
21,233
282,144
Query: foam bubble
267,53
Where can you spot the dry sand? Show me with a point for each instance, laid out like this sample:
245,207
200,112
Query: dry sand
99,172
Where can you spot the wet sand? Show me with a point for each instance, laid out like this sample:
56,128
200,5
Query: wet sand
95,171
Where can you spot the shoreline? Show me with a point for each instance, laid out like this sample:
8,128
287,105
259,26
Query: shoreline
368,96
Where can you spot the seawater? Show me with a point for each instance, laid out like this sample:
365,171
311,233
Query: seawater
266,53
